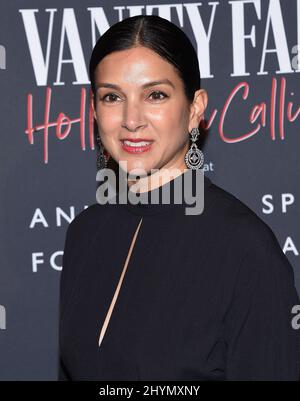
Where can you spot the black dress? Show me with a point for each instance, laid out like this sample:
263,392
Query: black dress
204,297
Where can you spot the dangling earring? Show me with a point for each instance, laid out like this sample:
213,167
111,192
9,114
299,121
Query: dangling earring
194,157
101,159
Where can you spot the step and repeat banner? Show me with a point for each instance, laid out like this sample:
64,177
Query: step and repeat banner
248,56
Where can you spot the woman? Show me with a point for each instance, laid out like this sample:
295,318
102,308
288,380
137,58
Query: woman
148,292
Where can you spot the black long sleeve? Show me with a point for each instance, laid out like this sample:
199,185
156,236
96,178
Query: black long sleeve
262,344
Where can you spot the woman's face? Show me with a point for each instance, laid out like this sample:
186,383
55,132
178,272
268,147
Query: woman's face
131,105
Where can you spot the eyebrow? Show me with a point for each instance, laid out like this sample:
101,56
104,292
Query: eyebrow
146,85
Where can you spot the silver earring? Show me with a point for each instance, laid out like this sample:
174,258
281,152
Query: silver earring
194,157
101,159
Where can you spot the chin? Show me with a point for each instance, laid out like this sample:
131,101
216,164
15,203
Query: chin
140,172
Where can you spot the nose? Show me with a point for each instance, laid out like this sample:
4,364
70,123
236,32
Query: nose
132,118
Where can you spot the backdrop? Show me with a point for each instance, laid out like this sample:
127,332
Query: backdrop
248,54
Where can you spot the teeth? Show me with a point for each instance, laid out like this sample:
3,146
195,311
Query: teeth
136,144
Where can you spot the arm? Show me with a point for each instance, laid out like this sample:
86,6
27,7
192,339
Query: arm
64,295
81,234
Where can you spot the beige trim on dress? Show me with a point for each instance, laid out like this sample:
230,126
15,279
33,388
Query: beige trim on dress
108,315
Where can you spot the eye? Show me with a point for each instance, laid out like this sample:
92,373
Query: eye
157,94
113,96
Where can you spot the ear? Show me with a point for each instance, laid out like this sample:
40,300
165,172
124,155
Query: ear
197,108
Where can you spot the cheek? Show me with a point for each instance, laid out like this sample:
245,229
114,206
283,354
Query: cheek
170,121
160,114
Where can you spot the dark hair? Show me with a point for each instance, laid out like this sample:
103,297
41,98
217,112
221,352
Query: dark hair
157,34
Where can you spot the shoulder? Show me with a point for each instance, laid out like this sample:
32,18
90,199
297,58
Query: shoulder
258,262
85,228
89,219
244,236
254,240
79,236
81,233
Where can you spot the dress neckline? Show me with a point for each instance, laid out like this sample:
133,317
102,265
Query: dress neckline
156,201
